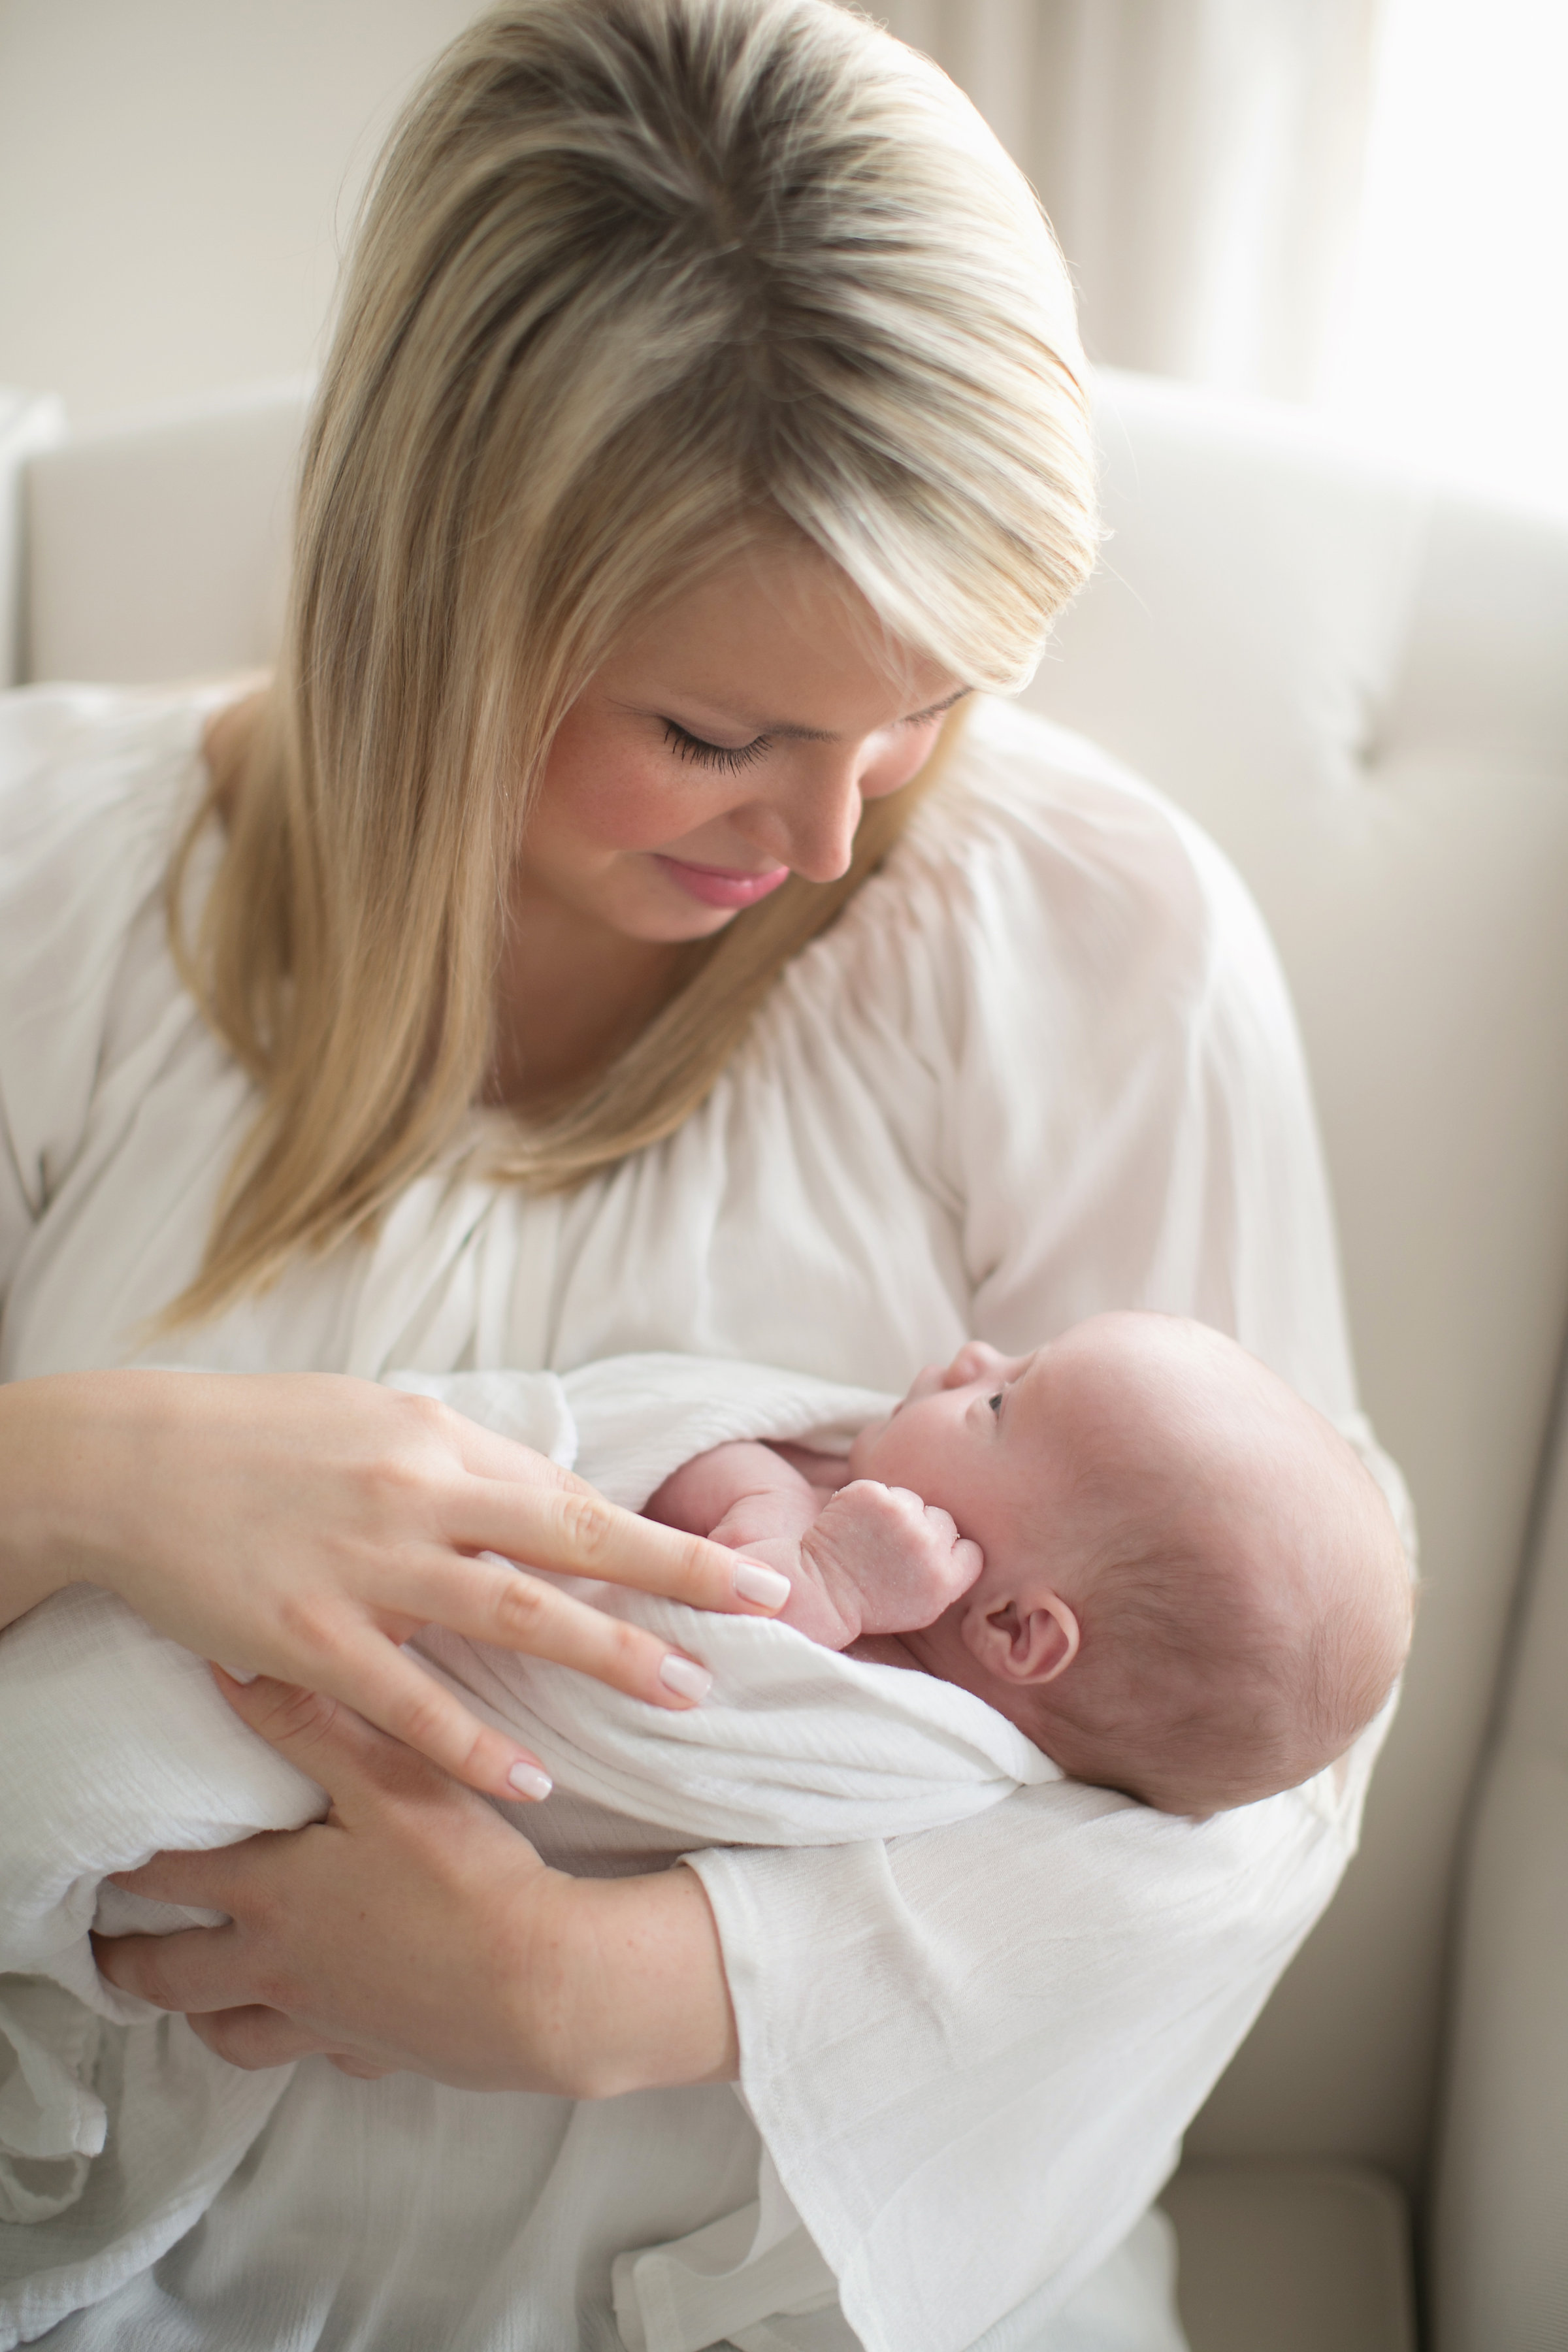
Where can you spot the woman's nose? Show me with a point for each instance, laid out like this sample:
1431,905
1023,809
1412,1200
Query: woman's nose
810,824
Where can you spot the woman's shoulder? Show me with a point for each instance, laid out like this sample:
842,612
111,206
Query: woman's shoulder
94,784
1032,805
1043,869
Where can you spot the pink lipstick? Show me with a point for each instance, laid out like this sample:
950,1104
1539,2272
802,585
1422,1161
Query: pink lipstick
721,886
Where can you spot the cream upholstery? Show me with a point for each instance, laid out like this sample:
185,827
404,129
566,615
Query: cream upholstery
26,425
161,551
1292,2258
1499,2248
1359,686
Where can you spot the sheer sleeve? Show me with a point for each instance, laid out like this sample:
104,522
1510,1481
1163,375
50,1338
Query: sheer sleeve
90,785
972,2053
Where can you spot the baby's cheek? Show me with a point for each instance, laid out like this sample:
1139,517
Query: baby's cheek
863,1451
943,1652
895,1452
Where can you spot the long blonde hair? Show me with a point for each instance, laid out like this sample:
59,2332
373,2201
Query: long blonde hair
637,281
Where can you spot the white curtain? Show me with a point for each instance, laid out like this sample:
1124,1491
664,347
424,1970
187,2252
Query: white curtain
1200,158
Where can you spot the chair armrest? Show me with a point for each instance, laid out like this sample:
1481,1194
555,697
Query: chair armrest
28,422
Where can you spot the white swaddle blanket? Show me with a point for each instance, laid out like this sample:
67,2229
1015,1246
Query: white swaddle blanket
123,1746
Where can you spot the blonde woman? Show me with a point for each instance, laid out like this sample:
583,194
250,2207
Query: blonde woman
621,924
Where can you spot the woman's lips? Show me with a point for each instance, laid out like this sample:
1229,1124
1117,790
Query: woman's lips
721,886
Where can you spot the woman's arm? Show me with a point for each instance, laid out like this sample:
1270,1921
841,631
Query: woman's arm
415,1928
305,1526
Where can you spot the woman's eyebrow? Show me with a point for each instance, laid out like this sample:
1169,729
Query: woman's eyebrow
785,730
937,708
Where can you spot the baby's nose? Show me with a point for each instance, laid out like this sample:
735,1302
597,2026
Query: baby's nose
974,1362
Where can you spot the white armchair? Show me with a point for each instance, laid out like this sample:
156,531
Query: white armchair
1360,687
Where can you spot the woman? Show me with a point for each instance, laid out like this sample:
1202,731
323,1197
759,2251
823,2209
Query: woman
603,937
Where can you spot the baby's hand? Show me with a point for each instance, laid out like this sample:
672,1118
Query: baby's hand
889,1559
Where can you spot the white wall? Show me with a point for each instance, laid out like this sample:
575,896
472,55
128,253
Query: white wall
178,177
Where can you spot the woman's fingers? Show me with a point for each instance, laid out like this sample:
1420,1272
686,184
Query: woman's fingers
351,1758
256,2038
488,1600
560,1523
202,1880
192,1970
398,1695
523,1612
491,1599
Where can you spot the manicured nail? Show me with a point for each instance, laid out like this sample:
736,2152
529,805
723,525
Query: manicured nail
769,1586
240,1674
530,1782
685,1677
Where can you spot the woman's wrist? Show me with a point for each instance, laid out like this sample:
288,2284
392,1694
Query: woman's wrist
620,1986
79,1451
47,1476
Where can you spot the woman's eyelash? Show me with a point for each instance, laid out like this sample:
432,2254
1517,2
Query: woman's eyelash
712,755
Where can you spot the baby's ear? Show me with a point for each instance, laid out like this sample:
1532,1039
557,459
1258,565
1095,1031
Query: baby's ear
1032,1638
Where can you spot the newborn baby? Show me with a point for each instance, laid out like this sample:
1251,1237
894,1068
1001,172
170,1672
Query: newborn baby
1138,1544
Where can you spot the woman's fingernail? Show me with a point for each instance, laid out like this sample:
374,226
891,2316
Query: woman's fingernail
240,1674
529,1781
769,1586
685,1677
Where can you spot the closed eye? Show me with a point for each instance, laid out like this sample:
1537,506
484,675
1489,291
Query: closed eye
704,754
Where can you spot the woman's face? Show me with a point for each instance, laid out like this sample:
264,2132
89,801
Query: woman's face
726,744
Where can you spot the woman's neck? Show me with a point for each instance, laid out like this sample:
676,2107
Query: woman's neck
571,993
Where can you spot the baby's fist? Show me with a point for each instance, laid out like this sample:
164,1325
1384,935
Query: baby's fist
904,1560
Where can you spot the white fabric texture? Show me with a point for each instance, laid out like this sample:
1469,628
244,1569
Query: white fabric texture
1043,1064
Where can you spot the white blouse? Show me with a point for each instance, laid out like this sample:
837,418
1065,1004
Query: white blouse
1044,1064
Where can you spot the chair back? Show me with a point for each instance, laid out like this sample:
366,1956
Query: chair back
1358,685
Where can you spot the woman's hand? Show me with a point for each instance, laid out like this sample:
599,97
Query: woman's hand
305,1525
415,1928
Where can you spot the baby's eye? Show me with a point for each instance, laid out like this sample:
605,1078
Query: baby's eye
995,1402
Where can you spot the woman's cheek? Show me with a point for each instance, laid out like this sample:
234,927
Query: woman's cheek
902,761
633,805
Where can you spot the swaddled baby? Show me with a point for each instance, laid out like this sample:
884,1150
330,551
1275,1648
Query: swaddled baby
1138,1544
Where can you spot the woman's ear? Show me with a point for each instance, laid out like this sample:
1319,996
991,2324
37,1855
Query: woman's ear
1030,1639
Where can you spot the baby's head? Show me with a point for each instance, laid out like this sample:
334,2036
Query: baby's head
1192,1590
